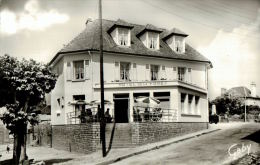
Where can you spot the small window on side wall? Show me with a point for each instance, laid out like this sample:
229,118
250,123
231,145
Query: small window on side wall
78,70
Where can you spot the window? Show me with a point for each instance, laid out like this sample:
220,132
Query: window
123,37
183,97
164,98
79,107
179,44
181,73
197,99
79,70
190,98
163,67
124,71
154,72
153,40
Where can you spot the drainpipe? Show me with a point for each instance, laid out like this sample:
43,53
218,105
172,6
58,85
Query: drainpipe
92,82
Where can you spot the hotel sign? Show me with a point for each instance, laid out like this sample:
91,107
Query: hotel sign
138,84
149,84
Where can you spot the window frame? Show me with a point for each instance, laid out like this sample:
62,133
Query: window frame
124,34
152,68
179,44
153,42
183,77
126,72
82,72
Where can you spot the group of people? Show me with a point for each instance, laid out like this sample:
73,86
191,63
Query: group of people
87,116
147,115
140,117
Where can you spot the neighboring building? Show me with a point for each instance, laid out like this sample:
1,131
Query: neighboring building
4,133
245,94
138,61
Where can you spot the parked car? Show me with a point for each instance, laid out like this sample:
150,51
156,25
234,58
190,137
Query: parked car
213,119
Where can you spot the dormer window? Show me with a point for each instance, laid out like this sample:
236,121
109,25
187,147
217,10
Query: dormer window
151,40
121,36
179,45
176,40
150,37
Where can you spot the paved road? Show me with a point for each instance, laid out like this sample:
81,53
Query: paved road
207,149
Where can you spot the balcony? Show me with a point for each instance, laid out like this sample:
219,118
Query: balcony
157,83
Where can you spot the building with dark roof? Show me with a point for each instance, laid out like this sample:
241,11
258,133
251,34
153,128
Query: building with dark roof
250,96
139,60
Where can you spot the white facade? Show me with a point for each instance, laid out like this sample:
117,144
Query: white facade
194,108
138,61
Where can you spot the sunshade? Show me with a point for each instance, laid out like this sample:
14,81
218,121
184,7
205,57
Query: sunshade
98,102
150,101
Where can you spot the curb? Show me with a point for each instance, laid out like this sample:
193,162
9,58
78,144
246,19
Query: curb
154,148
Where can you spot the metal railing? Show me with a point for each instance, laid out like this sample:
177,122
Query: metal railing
154,114
88,116
140,114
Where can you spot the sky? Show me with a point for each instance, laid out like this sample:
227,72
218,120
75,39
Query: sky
227,32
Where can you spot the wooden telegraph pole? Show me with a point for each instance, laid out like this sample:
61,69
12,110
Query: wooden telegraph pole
102,119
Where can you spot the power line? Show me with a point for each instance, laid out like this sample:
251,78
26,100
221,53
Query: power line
197,22
221,6
234,6
216,13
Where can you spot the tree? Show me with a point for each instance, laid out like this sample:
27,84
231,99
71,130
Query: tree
23,85
230,105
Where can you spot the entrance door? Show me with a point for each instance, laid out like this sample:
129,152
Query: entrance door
121,109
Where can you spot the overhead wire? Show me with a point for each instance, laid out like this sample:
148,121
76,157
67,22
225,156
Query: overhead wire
198,22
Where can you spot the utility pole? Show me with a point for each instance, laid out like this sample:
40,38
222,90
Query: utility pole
102,119
245,103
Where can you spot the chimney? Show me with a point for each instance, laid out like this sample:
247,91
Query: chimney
223,91
253,89
88,20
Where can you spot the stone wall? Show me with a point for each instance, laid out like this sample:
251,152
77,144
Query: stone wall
76,138
143,133
85,138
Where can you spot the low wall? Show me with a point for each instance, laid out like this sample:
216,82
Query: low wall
143,133
76,138
85,138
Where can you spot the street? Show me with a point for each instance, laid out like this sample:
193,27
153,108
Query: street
207,149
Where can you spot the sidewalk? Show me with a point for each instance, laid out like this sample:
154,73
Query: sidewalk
118,154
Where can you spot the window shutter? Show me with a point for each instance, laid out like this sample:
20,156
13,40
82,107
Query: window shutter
133,72
189,75
163,72
117,71
87,69
147,72
69,70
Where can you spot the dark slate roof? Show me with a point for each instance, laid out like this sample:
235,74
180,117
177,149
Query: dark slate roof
239,92
88,39
173,31
120,23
